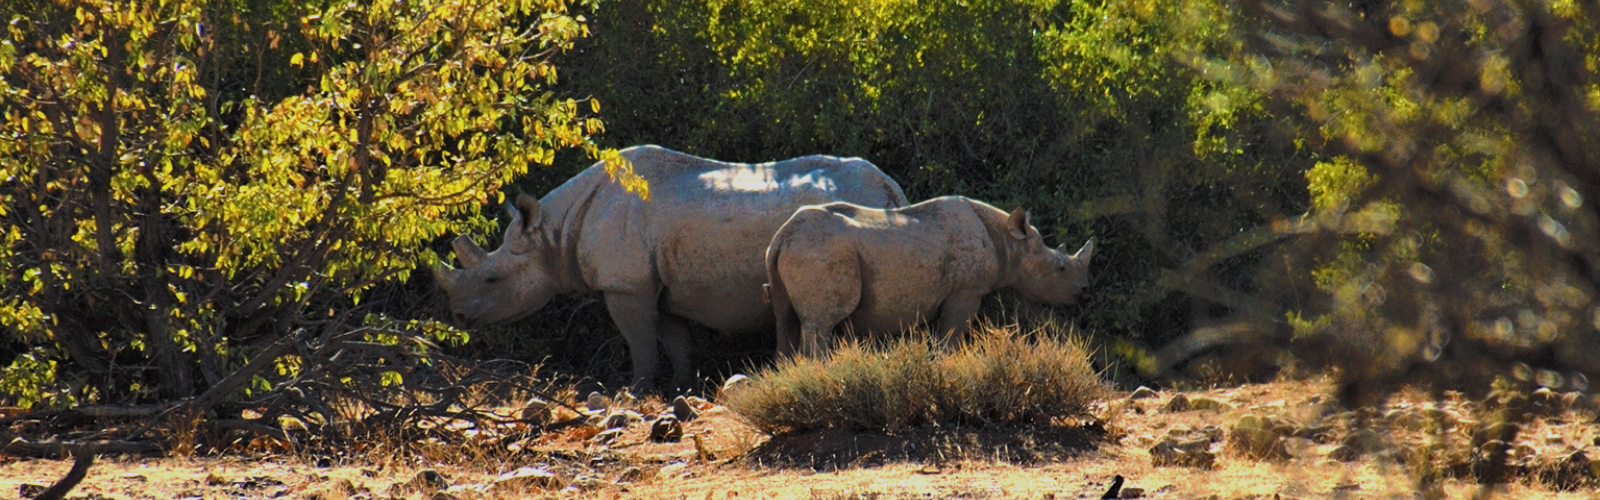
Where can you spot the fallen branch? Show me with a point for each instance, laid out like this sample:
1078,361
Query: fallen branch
56,449
80,469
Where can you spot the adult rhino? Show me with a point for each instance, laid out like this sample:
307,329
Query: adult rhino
883,270
692,251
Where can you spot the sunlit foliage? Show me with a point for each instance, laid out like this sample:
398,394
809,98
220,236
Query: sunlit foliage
184,178
1454,226
1082,112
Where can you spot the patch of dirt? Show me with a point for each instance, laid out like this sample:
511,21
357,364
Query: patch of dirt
1315,452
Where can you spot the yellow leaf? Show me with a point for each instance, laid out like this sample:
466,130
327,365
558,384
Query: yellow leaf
297,59
594,104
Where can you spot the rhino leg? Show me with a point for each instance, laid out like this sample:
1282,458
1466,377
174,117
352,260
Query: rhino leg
817,338
636,315
821,312
955,318
674,334
788,325
822,300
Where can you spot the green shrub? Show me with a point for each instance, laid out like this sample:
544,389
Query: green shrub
182,182
1083,112
1001,376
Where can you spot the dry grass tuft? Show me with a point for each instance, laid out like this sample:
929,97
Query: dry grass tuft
1002,376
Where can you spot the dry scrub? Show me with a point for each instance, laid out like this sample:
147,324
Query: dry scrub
1002,376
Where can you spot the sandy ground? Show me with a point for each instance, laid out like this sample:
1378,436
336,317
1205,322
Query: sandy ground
632,467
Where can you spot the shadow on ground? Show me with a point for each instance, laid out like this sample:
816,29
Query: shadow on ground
834,449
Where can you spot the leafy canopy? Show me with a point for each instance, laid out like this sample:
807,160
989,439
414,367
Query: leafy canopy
181,178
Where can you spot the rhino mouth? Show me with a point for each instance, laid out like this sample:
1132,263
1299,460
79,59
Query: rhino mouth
468,319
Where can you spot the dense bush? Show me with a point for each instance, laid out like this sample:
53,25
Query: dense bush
186,180
1454,236
1004,376
1083,112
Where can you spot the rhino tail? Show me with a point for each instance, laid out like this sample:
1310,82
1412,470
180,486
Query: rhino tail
774,292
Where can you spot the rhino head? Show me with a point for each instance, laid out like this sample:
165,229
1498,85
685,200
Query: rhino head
1049,275
506,284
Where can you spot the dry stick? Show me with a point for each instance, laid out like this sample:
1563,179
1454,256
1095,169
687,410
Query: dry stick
80,469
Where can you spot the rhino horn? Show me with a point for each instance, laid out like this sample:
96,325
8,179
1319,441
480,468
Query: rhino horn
468,251
1017,223
1085,252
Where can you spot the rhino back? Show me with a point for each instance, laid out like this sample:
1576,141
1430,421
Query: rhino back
702,235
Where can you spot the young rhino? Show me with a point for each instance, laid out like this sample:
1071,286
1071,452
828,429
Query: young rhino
886,269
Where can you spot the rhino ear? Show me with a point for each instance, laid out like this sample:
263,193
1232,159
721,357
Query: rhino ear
1086,252
1017,224
468,251
525,213
524,220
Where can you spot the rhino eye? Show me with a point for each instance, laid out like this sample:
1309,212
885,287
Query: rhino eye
491,280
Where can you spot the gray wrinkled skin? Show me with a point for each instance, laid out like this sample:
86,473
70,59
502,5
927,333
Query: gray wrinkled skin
883,270
693,251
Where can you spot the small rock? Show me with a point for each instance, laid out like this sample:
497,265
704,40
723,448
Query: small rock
630,475
30,490
1253,438
524,479
1131,493
425,481
608,436
683,410
673,471
597,401
1177,404
621,419
1202,403
535,410
666,429
588,482
1144,393
1170,453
